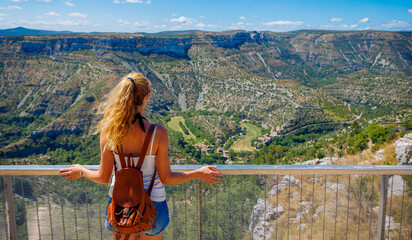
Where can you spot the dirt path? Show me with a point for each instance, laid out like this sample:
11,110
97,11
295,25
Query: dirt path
32,223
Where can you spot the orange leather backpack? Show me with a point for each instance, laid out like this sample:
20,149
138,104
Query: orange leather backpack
131,210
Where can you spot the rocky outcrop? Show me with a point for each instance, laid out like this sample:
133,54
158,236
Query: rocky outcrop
176,47
235,40
403,150
380,155
335,186
262,213
172,46
321,161
396,185
54,132
36,47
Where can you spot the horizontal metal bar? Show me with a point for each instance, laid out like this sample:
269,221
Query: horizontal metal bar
26,170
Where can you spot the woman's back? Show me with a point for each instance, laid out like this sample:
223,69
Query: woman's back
133,142
132,145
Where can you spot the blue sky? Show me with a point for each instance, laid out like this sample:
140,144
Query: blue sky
209,15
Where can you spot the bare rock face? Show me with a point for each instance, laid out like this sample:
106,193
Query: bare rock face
287,178
262,213
403,150
380,155
176,47
395,185
321,161
335,186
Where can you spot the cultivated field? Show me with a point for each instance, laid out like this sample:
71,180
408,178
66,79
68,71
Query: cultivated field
244,143
174,124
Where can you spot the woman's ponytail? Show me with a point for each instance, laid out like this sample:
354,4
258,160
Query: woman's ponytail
121,108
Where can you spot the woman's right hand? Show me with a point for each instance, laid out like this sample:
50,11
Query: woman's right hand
209,174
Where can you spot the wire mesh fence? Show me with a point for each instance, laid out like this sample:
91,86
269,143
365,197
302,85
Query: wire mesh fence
314,206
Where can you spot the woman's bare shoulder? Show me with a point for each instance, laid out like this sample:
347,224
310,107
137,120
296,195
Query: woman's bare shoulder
160,130
161,135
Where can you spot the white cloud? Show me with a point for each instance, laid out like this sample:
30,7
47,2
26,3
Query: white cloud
242,18
202,25
54,23
144,24
76,14
336,20
345,26
183,20
148,2
282,23
410,11
201,17
116,1
364,20
73,23
19,0
159,26
39,17
239,23
68,3
134,1
3,15
52,14
396,24
179,20
12,7
123,22
44,1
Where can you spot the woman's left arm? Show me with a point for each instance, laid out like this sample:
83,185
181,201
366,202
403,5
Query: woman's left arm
102,175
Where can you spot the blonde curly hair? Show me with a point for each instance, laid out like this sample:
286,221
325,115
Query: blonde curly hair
120,107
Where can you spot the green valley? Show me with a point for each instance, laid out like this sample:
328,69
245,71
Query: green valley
204,85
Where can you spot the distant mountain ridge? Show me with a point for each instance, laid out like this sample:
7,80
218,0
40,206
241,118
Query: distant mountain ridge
27,31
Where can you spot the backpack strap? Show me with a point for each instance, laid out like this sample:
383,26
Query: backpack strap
121,157
143,155
149,190
145,145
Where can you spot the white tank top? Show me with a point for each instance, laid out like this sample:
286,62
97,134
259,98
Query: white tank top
158,193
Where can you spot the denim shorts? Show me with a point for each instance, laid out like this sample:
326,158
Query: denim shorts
162,219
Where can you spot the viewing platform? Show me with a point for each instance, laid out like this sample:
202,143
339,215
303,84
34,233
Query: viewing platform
250,202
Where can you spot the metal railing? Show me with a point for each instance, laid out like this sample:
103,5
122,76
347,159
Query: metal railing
251,202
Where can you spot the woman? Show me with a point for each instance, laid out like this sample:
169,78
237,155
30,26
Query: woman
124,125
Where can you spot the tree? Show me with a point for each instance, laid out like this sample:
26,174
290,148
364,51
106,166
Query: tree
408,123
360,141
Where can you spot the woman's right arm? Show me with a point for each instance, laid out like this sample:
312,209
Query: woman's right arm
100,176
207,173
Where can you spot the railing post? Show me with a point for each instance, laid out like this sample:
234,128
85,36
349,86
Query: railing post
382,207
11,217
199,210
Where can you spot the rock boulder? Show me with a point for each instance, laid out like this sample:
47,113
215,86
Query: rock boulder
403,150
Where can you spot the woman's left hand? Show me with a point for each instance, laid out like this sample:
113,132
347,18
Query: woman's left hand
71,173
209,174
